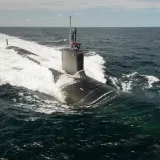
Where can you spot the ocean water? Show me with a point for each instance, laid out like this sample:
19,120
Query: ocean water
34,126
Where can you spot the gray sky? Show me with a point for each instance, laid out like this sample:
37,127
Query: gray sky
100,13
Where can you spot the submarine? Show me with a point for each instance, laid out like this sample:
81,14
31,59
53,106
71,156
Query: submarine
83,90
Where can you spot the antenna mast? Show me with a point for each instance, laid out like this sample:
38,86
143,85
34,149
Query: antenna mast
70,34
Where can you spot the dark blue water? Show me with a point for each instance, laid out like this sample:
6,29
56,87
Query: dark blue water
127,128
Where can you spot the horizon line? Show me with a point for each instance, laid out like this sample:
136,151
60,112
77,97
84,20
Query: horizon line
80,27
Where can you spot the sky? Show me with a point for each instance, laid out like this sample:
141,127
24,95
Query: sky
85,13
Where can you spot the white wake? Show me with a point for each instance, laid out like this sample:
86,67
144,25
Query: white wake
20,71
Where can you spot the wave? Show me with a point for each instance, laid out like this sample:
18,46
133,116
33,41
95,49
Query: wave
19,71
146,81
27,100
129,81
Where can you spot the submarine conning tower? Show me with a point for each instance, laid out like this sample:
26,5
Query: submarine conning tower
73,57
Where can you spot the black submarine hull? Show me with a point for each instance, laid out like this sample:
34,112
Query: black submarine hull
87,93
84,90
24,53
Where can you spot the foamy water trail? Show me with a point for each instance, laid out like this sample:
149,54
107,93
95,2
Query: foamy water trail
127,82
137,79
20,71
